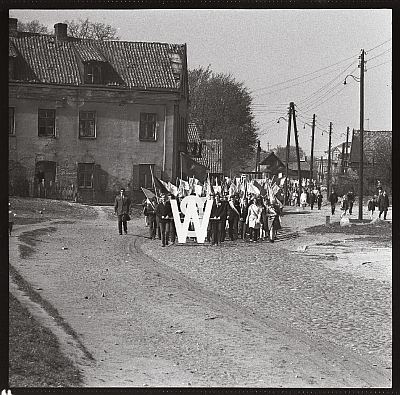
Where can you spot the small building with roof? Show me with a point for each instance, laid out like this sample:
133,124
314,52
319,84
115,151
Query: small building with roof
87,117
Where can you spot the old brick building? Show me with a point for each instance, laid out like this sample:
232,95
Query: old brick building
87,117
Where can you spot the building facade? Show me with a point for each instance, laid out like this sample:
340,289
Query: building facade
88,117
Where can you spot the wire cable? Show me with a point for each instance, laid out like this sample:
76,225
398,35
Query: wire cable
370,50
304,75
382,53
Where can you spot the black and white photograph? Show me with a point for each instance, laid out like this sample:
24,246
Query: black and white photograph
199,198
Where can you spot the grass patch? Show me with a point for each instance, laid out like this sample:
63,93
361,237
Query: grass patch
48,307
30,237
381,230
35,359
35,210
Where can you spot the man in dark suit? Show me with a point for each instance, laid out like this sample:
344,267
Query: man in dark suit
122,208
164,213
216,218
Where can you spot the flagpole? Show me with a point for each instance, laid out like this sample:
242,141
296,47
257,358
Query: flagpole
154,184
180,157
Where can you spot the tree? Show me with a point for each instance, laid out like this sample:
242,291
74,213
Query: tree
92,30
280,152
220,106
32,27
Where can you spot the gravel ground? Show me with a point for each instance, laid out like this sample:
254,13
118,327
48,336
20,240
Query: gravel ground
288,314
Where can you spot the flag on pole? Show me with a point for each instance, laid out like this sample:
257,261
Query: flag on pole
149,195
159,186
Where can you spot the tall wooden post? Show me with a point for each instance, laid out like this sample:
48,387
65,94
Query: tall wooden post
287,153
361,175
347,149
297,145
312,152
328,178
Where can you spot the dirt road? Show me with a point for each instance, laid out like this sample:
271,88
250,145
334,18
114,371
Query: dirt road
139,318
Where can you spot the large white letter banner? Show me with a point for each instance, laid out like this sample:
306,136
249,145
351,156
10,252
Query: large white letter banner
192,207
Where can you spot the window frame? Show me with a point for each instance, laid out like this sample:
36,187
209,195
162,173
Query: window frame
93,73
83,168
148,182
53,122
143,125
11,125
82,136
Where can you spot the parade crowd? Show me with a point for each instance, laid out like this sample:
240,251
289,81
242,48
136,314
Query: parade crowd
246,210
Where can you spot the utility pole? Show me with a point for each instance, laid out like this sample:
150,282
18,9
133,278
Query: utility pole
297,145
268,146
322,170
342,161
258,156
312,152
347,148
361,175
328,179
287,153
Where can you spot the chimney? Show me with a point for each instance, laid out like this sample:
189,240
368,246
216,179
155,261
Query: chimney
12,27
60,30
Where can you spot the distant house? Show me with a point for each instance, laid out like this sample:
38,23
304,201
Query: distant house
377,156
207,153
272,165
87,117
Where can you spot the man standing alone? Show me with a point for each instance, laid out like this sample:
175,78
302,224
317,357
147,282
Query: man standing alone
122,207
333,198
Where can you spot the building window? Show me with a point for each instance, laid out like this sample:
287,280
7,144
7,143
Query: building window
148,126
11,121
145,179
46,123
85,175
87,124
93,73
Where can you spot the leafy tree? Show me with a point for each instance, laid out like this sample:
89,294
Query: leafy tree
220,106
92,30
280,152
32,27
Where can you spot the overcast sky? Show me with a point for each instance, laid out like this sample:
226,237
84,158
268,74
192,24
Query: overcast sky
280,55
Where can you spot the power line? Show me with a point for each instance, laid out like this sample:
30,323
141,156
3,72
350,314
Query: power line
382,53
326,85
304,75
380,64
370,50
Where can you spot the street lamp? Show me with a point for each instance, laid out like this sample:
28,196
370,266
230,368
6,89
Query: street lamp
281,118
352,76
361,169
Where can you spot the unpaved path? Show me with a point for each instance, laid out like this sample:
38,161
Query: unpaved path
147,324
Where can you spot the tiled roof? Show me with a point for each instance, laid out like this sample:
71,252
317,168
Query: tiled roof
211,155
88,51
138,64
372,140
193,133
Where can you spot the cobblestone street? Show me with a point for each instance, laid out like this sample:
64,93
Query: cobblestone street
294,313
309,292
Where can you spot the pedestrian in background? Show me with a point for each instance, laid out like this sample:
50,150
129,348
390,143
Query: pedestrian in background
150,211
122,208
303,199
345,206
224,217
217,213
371,204
11,215
350,199
383,204
333,199
319,199
244,209
254,219
312,199
233,217
164,214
